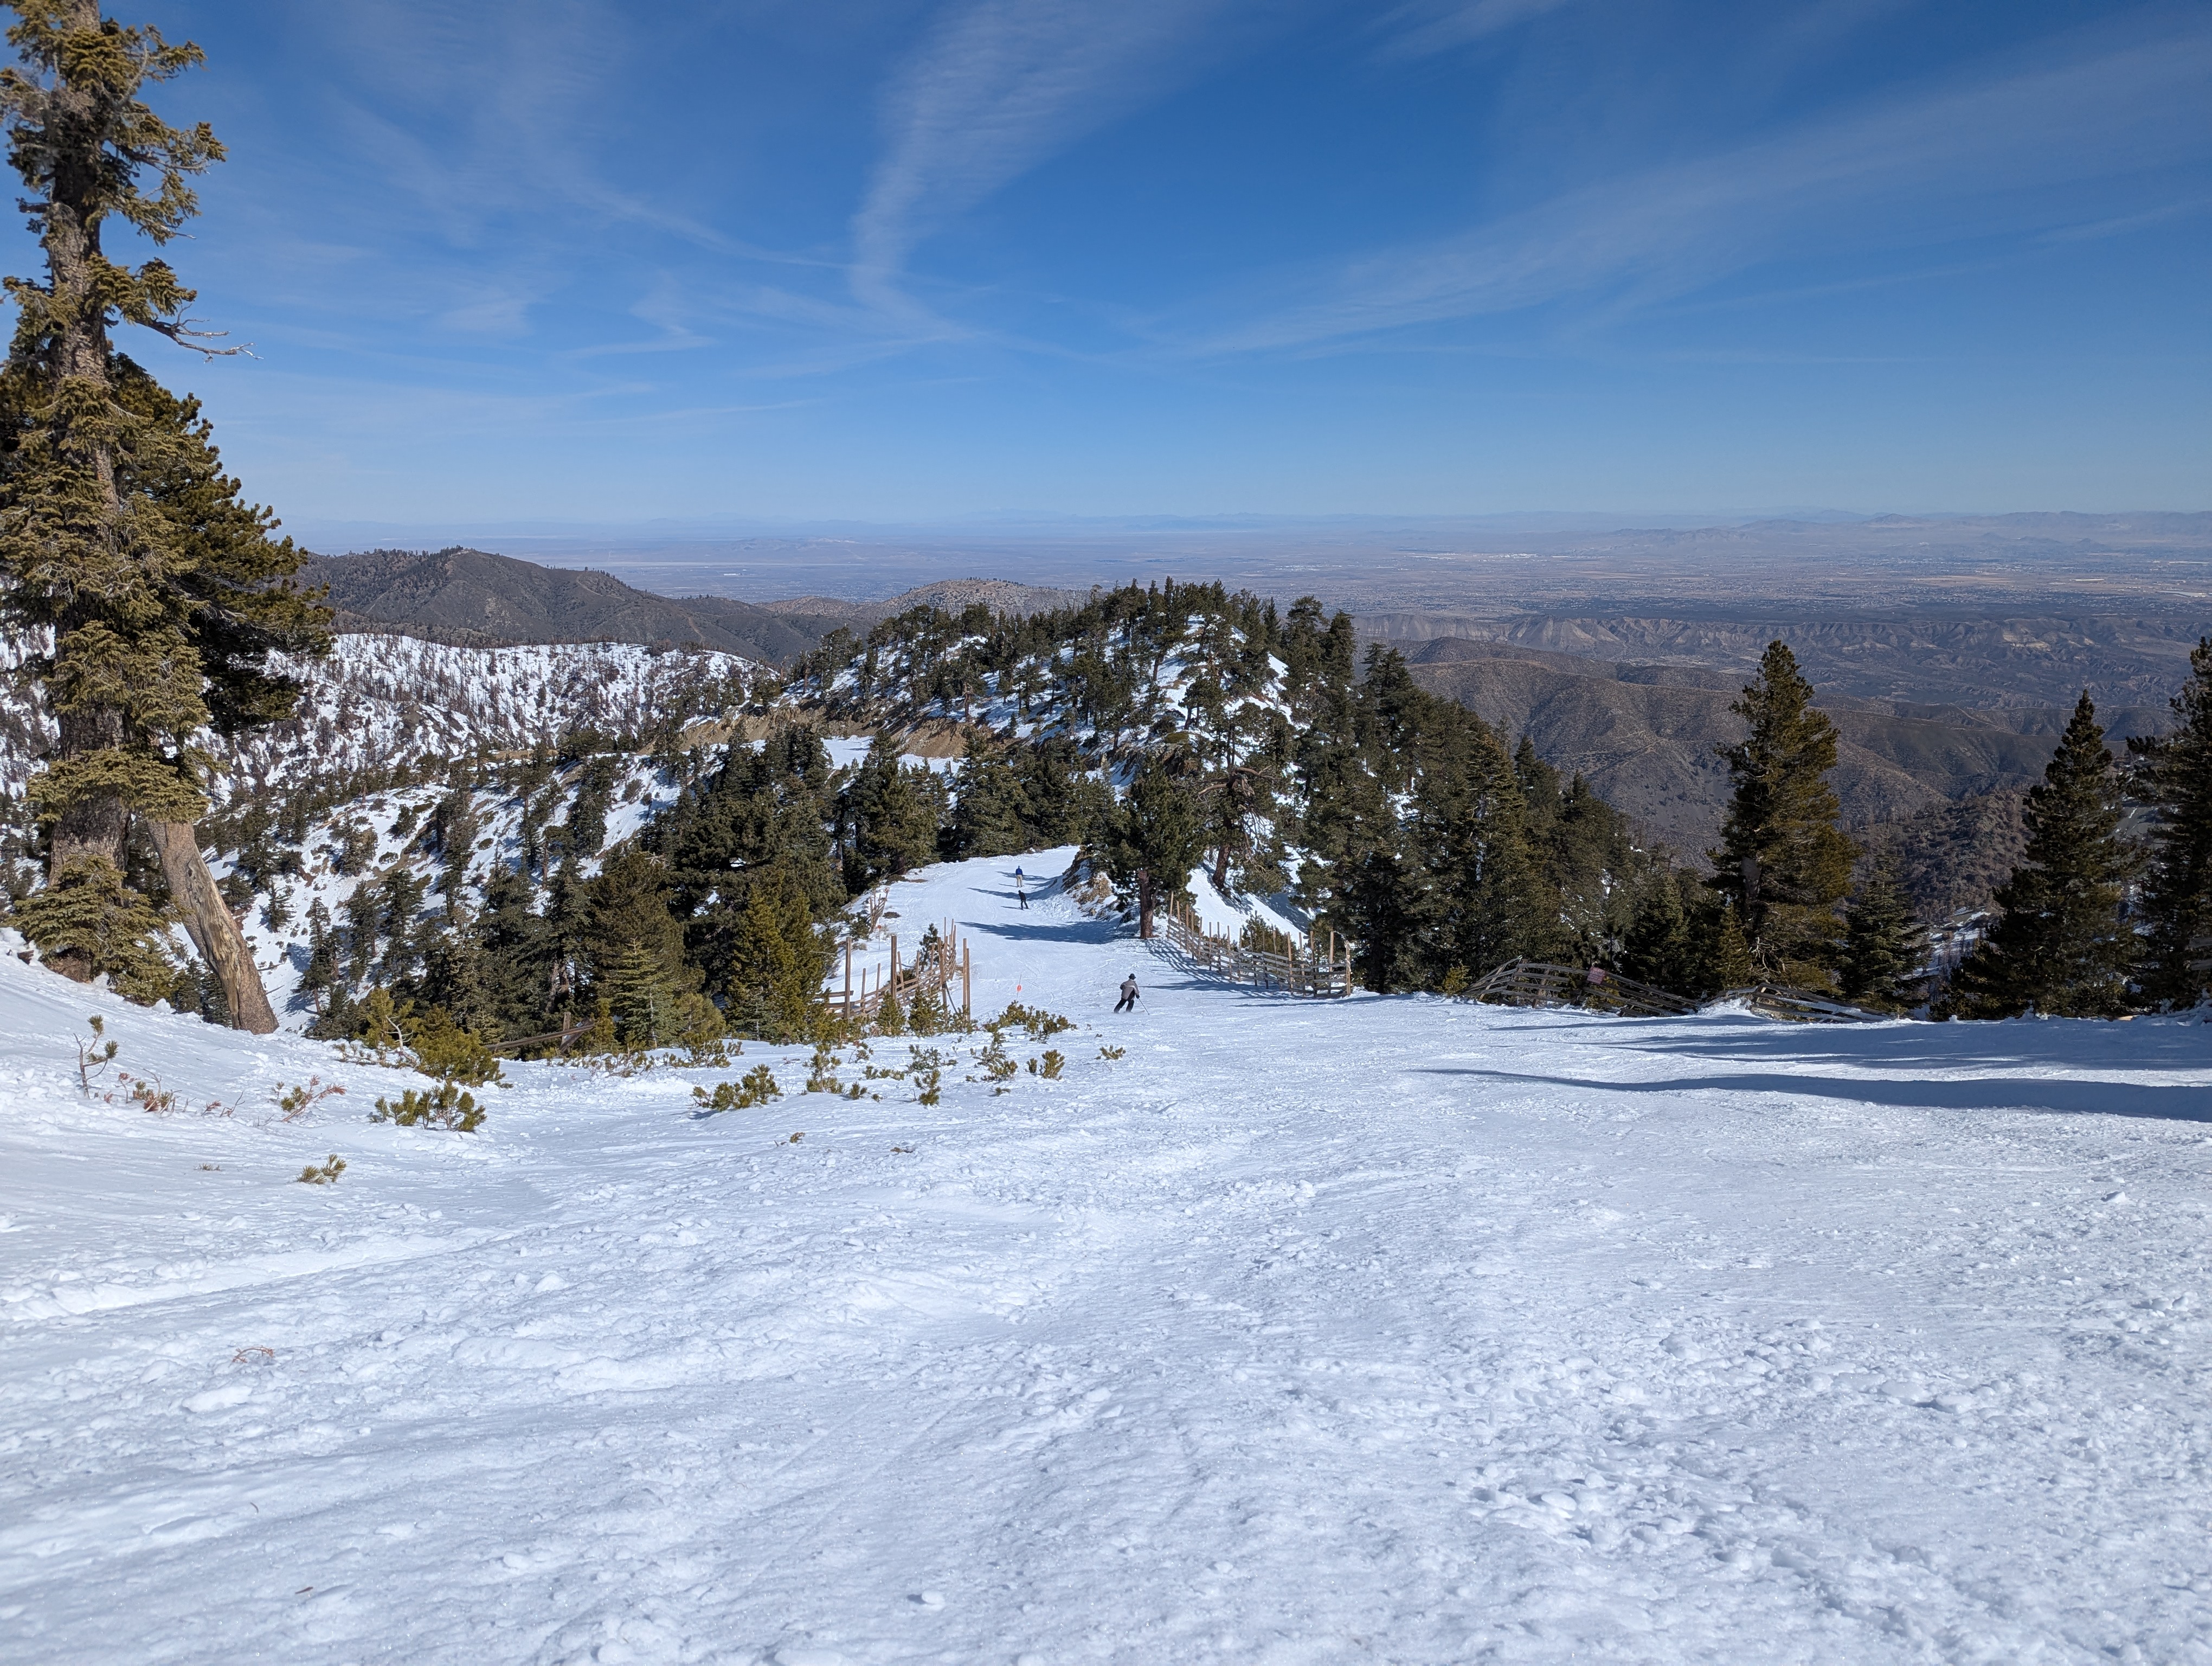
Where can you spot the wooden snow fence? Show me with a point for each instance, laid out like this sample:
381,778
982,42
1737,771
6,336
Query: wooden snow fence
563,1038
1776,1000
1309,968
933,971
1539,983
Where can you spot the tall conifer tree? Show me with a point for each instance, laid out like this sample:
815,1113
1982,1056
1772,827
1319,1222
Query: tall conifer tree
2060,945
1883,944
2176,776
1782,863
119,534
1158,835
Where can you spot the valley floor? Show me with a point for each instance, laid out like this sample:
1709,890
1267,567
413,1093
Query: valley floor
1394,1330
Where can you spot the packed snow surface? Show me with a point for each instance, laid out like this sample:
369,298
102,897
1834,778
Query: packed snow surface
1397,1330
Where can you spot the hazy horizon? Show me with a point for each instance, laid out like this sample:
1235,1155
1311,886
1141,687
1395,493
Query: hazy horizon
880,262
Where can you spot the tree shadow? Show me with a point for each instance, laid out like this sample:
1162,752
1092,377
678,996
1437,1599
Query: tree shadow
2179,1103
2060,1044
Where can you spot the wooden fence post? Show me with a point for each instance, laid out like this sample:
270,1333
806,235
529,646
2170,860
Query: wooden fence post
967,970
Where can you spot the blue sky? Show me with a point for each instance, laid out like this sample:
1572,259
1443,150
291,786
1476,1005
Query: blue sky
549,260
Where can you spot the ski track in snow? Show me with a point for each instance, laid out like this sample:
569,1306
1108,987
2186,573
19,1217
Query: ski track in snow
1397,1330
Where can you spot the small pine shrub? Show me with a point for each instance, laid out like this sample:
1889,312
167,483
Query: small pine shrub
757,1088
148,1095
451,1052
297,1102
94,1056
927,1072
1051,1065
446,1106
927,1016
821,1075
1033,1021
996,1065
713,1054
323,1174
1111,1053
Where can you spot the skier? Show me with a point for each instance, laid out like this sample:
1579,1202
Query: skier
1021,890
1128,995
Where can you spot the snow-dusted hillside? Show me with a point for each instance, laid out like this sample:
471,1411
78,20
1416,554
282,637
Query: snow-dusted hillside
385,700
279,936
1384,1329
394,699
1204,682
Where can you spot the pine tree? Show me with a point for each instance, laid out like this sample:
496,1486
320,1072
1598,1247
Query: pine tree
1475,894
89,913
119,534
2059,943
1158,836
989,810
514,961
1722,950
778,962
364,913
1064,802
2175,775
895,808
1883,944
1658,949
640,996
456,982
1782,863
321,972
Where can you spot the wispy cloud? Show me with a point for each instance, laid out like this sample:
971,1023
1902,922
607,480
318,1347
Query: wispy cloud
999,87
2019,153
1426,26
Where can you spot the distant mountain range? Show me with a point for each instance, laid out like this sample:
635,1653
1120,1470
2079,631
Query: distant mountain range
1647,736
1934,709
471,599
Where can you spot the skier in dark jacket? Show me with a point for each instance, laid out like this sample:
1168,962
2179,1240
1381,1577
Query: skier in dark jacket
1128,995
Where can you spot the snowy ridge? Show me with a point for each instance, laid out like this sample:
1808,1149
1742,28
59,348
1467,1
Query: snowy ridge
380,701
1388,1329
1198,686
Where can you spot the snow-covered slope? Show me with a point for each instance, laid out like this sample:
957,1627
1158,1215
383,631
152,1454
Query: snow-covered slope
279,937
392,699
385,700
1395,1329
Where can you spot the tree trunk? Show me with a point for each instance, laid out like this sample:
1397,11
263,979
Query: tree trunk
1145,898
214,933
95,824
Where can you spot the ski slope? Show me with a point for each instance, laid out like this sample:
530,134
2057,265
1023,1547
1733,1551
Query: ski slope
1396,1331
